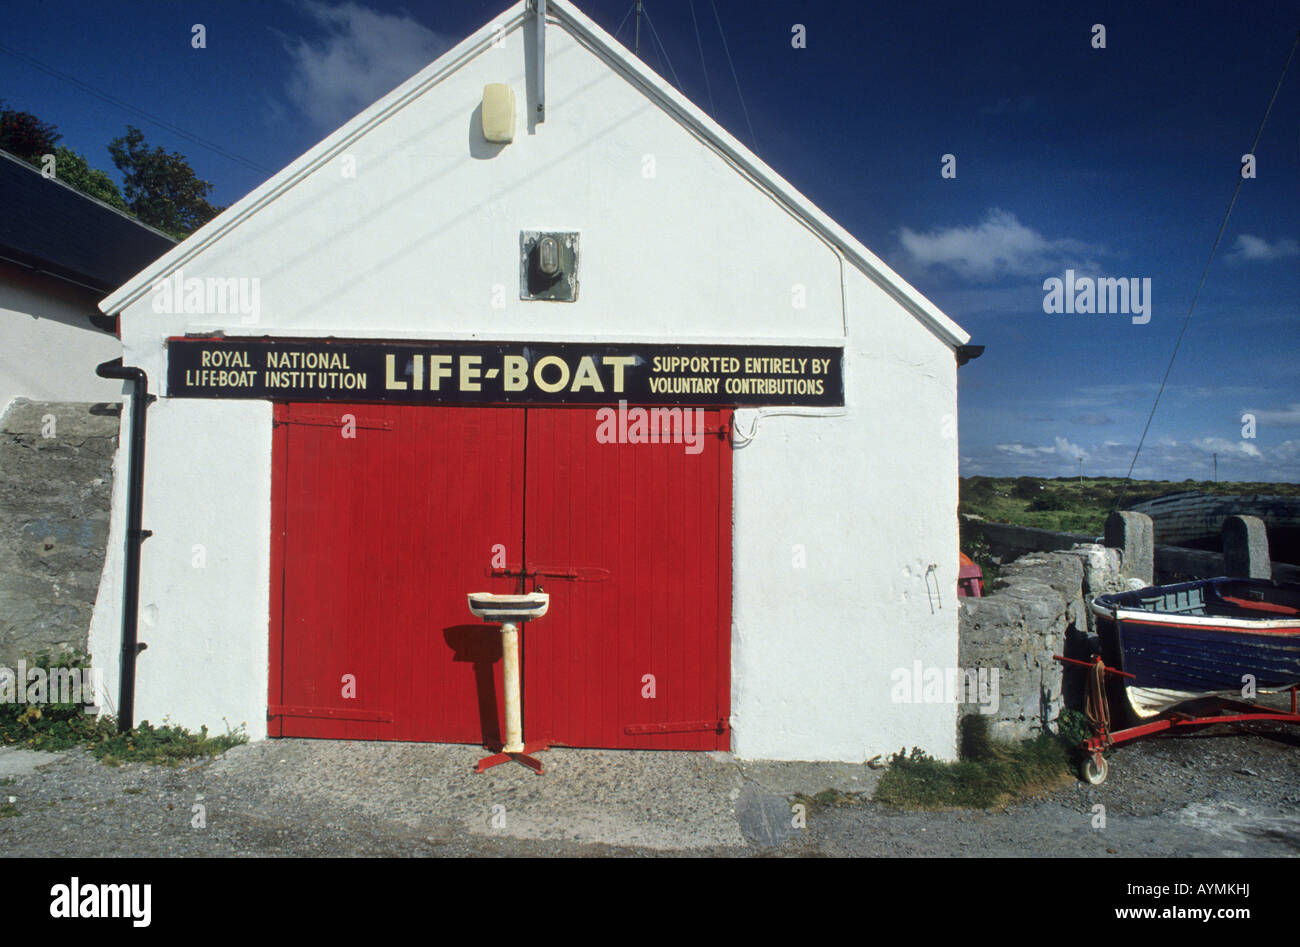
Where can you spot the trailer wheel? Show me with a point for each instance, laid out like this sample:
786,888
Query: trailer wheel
1094,770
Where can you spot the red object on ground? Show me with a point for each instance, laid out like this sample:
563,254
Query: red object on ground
1198,712
378,537
970,579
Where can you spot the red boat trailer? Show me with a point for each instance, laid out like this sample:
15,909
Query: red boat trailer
1097,709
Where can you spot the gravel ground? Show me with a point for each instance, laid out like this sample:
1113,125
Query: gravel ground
1214,793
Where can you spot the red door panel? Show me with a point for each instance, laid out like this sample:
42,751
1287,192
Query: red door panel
657,520
381,536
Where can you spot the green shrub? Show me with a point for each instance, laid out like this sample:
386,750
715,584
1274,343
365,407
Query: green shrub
998,773
1026,488
64,726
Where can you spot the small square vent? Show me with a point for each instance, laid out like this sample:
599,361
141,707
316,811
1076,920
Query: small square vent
548,265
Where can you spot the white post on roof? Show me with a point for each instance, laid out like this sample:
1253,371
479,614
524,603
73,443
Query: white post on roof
541,59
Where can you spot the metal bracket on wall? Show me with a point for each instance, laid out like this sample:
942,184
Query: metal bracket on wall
539,8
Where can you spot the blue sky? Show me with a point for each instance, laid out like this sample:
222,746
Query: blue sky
1115,162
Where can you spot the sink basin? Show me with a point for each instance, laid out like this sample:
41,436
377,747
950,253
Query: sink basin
509,608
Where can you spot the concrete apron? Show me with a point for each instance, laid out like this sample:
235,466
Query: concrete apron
15,761
630,798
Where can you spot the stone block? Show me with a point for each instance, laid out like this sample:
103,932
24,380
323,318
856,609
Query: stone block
1133,535
1245,548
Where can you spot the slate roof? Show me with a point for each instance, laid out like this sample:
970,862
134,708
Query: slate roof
55,228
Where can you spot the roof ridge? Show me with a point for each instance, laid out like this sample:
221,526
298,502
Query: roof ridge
90,197
592,36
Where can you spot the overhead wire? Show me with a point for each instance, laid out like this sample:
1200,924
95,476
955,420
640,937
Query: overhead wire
1206,271
148,116
699,44
662,49
623,22
753,139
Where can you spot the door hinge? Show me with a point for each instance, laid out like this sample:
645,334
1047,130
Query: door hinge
335,420
331,713
683,726
575,574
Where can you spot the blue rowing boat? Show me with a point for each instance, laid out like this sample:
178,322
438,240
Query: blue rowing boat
1194,639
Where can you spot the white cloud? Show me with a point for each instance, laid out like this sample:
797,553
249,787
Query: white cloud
1065,449
1249,247
1021,450
1287,451
362,55
1224,447
1290,415
1164,458
1061,448
1000,245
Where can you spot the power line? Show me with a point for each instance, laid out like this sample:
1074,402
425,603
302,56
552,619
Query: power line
624,20
1206,272
752,137
703,65
655,33
162,123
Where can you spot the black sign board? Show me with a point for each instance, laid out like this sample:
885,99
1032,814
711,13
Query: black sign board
504,372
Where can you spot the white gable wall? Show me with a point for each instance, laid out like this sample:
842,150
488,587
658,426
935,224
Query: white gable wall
425,239
423,243
872,499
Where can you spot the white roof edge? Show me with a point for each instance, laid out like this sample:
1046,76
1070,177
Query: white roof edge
666,95
332,145
689,114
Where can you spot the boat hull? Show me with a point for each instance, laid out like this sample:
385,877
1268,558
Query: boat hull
1190,658
1190,651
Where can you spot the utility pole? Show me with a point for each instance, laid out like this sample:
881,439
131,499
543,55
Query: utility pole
1081,470
1216,468
636,49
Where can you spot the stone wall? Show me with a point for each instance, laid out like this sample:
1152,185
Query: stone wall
1006,541
56,477
1036,609
1172,563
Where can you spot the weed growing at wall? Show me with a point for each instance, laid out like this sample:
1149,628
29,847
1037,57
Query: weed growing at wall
53,726
989,775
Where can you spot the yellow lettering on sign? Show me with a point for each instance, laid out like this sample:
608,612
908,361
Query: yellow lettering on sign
390,370
439,368
618,362
586,375
549,386
469,372
515,373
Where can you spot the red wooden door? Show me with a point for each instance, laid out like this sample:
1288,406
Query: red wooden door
641,657
381,536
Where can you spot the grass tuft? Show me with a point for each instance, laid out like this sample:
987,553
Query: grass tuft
65,726
989,775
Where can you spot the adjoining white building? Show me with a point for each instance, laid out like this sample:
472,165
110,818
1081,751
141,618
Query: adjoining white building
409,367
60,252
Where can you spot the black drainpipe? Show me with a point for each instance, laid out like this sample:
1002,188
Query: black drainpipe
135,536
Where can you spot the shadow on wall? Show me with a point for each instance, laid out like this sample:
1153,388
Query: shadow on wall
480,147
480,646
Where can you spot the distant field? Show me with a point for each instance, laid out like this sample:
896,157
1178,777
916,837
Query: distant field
1070,505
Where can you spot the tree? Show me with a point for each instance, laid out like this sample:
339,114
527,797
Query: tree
72,168
24,135
161,189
